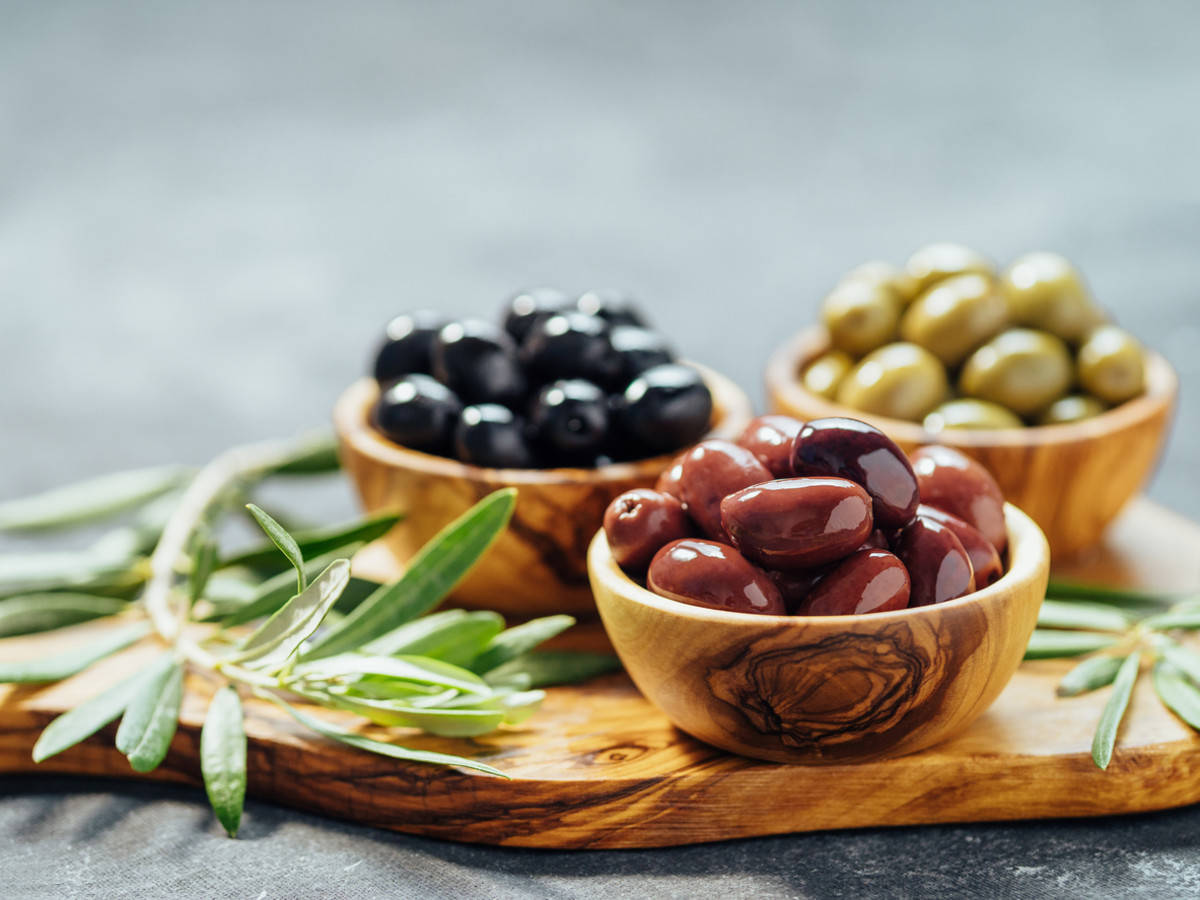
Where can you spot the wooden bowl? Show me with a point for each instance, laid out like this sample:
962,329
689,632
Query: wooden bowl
539,564
1072,479
826,689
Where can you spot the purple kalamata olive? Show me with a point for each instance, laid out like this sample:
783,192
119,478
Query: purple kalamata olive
711,471
770,439
639,523
866,581
798,523
669,482
707,573
876,540
795,586
962,487
848,448
939,569
985,561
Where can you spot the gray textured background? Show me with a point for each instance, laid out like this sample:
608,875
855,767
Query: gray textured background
208,210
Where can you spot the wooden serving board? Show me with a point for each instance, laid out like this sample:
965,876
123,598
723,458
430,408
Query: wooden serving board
598,767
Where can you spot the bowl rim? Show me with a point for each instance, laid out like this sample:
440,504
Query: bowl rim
732,409
1029,554
782,381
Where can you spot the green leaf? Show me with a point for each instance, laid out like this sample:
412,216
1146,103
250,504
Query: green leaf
204,563
420,669
281,635
319,542
440,722
393,750
1168,621
65,664
223,758
85,571
87,501
277,590
285,542
151,718
551,667
1187,661
29,613
90,716
1137,601
1177,693
521,639
1045,644
1095,672
313,455
1114,711
453,636
432,574
1087,616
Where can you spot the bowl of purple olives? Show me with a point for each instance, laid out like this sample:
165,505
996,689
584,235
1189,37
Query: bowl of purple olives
809,593
572,400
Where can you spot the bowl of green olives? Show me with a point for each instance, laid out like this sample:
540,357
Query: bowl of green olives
1019,368
572,400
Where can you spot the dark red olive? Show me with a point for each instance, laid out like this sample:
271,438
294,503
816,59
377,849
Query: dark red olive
639,523
985,561
797,523
795,586
669,482
962,487
706,573
938,566
848,448
866,581
770,439
712,470
876,540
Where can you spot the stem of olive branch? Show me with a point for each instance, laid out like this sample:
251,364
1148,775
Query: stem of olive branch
205,489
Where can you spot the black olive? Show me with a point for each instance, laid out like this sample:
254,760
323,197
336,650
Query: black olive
418,412
524,310
478,362
667,407
407,342
491,435
571,345
615,306
639,349
570,421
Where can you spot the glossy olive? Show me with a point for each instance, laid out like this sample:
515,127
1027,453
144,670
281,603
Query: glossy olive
866,581
418,412
670,480
797,523
955,316
985,561
407,343
1112,365
876,540
848,448
962,487
706,573
613,305
1072,408
712,470
796,585
492,435
641,522
1021,369
527,308
901,381
638,349
477,361
570,345
770,439
1044,291
860,316
936,262
569,420
939,569
968,412
824,374
900,283
666,407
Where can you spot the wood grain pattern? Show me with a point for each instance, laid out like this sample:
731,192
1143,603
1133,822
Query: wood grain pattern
825,689
1072,479
538,566
599,767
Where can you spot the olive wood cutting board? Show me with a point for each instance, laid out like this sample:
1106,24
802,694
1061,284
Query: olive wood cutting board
598,767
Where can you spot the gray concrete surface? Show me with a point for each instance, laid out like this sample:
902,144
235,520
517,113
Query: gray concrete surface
208,210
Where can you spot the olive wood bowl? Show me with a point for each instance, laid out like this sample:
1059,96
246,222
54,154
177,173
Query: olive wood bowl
1072,479
826,689
539,564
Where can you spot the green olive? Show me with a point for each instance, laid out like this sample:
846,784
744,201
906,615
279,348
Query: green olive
1112,365
968,412
825,373
860,316
901,381
1022,369
955,316
1046,292
879,272
936,262
1073,408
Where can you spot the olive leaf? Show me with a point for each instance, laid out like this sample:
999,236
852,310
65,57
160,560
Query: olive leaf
431,574
312,455
549,667
151,717
1114,710
520,639
29,613
1049,644
1081,615
1133,600
1187,661
1091,674
454,636
1177,693
419,669
223,758
204,563
440,722
318,542
69,662
277,590
1182,619
88,501
78,570
285,542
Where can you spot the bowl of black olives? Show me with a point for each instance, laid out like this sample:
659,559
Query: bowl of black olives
809,593
572,400
1019,368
